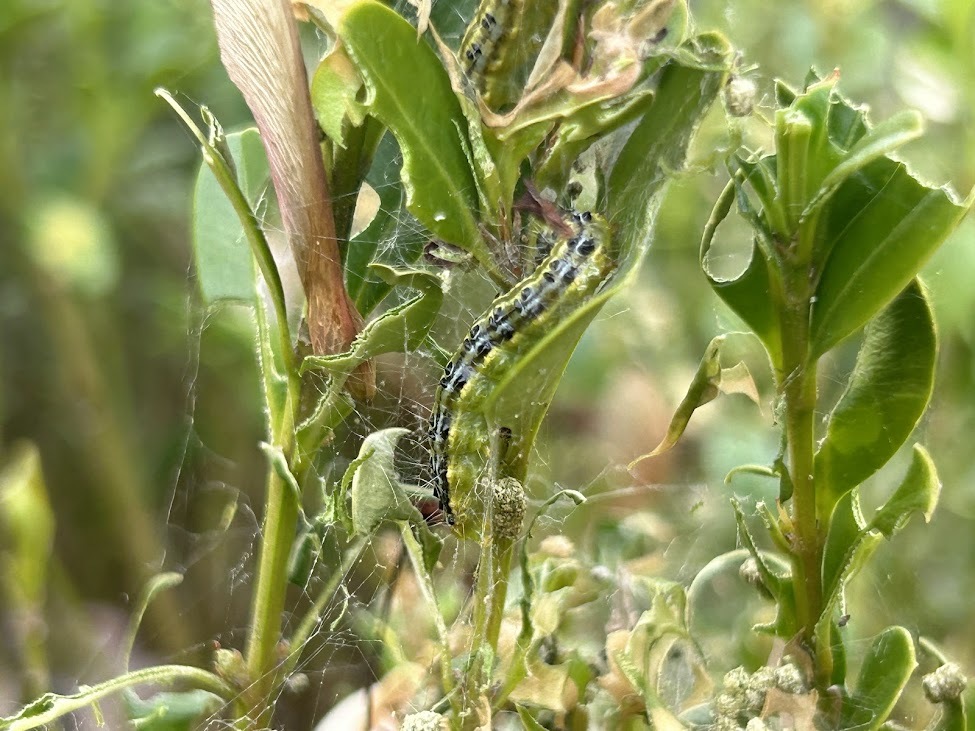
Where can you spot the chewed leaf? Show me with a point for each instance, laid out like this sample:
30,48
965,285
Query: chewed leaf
918,492
658,144
880,227
704,389
748,294
883,675
885,397
408,90
334,89
378,496
400,329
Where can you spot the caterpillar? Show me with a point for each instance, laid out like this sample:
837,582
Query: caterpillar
492,23
576,268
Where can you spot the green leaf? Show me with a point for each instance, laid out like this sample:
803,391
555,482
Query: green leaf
851,541
918,492
846,528
527,720
170,711
52,706
409,91
748,295
378,496
704,388
400,329
880,228
885,396
883,675
224,264
657,146
880,141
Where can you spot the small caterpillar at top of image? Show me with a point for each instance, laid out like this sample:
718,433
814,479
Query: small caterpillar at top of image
566,278
480,45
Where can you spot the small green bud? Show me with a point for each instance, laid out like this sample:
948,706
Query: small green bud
229,664
424,721
944,684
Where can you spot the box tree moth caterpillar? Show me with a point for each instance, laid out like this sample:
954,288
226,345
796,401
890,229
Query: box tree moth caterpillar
577,266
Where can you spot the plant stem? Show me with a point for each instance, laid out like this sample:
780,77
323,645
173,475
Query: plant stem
278,531
797,386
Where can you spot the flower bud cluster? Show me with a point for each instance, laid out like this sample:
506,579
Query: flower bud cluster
742,695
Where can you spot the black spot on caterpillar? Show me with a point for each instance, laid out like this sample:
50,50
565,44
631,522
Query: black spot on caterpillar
479,48
566,278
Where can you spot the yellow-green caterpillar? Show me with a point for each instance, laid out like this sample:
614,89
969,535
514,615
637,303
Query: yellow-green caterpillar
577,267
482,49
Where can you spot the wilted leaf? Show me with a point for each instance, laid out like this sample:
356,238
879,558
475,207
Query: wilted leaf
400,329
260,49
704,388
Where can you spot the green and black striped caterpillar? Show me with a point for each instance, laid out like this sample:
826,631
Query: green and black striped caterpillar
575,269
492,26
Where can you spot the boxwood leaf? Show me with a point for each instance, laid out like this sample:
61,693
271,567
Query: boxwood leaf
881,226
885,396
409,91
885,671
918,492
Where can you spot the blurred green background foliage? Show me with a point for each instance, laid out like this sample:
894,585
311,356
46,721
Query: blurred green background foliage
147,414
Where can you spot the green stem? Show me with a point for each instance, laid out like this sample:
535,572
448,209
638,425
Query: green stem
280,522
57,706
797,386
